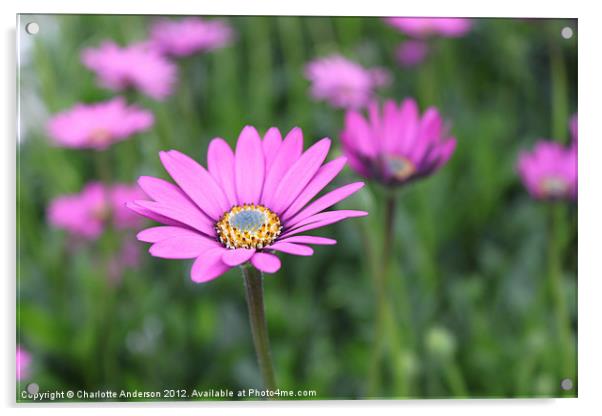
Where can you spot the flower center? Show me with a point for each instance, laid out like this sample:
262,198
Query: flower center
248,226
99,136
399,167
553,186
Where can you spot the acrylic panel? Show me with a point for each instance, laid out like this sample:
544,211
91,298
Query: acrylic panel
295,208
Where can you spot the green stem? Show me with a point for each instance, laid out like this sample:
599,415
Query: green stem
254,293
556,243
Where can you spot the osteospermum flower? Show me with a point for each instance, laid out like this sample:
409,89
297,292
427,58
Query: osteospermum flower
23,362
189,35
246,206
86,214
97,126
344,83
423,27
411,53
136,66
549,172
397,145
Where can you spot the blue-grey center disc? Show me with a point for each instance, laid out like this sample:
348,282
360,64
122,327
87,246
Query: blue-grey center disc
248,220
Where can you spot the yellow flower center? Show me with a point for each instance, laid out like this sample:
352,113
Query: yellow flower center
248,226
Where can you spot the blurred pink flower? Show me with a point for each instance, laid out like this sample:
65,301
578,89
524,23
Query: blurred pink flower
422,27
398,145
250,203
573,126
135,66
412,52
97,126
23,362
549,172
128,257
344,83
85,214
189,35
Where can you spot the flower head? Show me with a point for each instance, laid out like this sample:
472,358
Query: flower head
97,126
423,27
411,53
549,172
135,66
344,83
189,35
248,204
397,145
86,214
23,363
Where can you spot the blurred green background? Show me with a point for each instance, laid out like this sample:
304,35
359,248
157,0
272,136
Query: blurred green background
473,299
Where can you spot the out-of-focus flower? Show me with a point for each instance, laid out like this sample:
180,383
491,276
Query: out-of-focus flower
189,36
86,214
135,66
397,145
344,83
549,172
97,126
412,52
23,363
249,204
128,257
430,26
573,126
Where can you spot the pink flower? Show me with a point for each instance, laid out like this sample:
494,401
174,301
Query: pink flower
86,214
573,125
97,126
189,35
250,203
411,53
344,83
422,27
549,172
397,145
23,363
128,257
135,66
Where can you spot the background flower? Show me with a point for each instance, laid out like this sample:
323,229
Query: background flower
23,363
136,66
411,53
249,204
189,35
396,145
421,27
97,126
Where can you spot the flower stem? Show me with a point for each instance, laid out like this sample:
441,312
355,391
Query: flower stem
254,293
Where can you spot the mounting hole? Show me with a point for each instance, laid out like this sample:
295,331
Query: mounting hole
566,32
566,384
32,28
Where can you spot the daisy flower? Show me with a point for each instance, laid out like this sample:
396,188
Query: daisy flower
344,83
397,145
97,126
135,66
247,205
411,53
423,27
189,36
23,363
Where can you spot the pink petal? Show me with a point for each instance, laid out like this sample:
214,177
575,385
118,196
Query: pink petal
359,135
323,177
237,257
325,201
299,175
220,163
249,166
288,153
181,215
152,215
321,220
308,239
266,262
209,265
290,248
408,122
271,143
198,184
156,234
181,247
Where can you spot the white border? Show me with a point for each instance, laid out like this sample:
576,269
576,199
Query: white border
590,205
